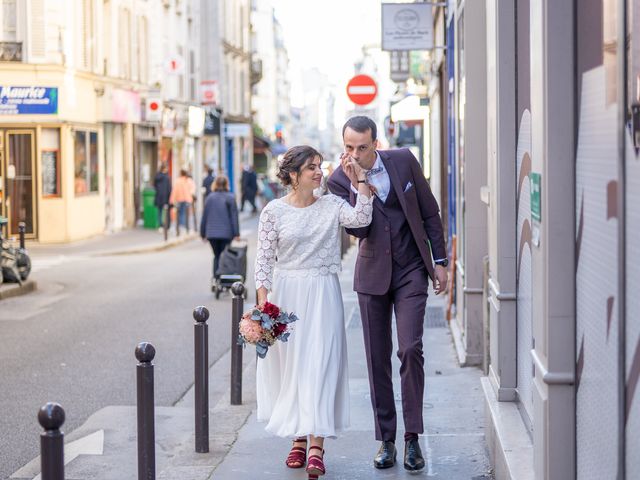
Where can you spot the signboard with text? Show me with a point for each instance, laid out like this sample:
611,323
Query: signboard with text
28,100
407,26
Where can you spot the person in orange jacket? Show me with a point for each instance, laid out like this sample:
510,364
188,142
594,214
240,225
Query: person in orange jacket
182,195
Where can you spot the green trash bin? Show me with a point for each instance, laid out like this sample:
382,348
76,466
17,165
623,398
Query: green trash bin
149,209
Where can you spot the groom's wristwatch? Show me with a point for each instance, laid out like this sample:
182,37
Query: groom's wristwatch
443,263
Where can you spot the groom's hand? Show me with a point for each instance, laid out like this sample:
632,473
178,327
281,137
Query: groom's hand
348,169
442,277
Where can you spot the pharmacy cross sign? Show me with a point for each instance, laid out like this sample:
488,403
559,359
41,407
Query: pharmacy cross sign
362,89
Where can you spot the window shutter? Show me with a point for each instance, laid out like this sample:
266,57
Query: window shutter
38,49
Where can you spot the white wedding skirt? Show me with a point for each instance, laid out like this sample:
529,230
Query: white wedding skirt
302,384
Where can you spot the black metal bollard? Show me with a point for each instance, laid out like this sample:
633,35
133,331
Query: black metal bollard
146,417
22,227
165,226
201,348
51,417
236,350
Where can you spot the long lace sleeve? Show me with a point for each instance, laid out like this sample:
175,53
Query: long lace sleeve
357,216
266,255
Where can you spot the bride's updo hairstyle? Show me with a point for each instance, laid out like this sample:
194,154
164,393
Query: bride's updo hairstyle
294,160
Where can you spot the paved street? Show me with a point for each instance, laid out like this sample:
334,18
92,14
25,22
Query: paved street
73,340
454,440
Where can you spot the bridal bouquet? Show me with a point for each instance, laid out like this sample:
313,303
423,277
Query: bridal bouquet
263,325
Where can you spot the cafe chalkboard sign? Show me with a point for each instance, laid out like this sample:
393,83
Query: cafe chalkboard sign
50,174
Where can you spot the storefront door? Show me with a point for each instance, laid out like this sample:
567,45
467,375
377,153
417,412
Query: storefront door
17,174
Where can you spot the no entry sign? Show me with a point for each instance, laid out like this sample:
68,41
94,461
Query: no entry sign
362,89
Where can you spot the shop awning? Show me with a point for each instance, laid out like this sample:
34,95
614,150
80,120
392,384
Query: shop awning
260,144
278,148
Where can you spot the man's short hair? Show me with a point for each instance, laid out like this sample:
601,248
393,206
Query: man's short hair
361,124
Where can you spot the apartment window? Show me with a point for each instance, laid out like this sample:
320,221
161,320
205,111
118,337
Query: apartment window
143,49
181,92
9,33
124,42
85,162
192,75
87,32
106,39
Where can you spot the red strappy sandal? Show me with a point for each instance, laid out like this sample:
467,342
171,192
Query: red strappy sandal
298,455
315,464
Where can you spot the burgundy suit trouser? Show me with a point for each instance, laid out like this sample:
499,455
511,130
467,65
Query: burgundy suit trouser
407,296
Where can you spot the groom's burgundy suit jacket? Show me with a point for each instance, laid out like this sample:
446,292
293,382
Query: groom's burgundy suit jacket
374,263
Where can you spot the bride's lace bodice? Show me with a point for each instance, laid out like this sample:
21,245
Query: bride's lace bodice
305,241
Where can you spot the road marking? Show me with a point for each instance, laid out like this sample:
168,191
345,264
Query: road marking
92,444
39,264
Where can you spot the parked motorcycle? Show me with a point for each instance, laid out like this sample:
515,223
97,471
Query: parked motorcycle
15,263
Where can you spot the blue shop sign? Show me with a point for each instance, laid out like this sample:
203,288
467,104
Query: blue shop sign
28,100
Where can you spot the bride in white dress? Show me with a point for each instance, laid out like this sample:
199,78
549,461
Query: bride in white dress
302,387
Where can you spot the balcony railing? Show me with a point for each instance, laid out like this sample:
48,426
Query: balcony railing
10,51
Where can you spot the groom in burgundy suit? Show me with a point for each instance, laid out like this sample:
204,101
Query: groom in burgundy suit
395,260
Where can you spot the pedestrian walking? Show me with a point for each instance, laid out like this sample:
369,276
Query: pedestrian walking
392,273
249,187
162,185
182,195
206,184
219,224
302,385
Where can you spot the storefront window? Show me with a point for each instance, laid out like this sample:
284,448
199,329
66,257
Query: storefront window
50,162
85,162
93,161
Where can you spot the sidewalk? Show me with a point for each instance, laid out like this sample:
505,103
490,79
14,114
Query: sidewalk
453,442
104,448
129,241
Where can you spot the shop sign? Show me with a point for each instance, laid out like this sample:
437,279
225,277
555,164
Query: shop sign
169,122
174,65
399,60
209,92
28,100
196,121
536,208
212,123
234,130
120,106
407,26
153,109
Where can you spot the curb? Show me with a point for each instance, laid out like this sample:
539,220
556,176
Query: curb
8,290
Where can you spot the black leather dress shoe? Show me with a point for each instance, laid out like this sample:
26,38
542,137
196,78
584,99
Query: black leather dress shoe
386,456
413,460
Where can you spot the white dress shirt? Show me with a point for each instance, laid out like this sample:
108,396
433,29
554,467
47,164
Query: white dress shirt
380,181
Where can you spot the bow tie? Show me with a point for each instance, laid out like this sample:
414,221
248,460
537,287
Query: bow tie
375,171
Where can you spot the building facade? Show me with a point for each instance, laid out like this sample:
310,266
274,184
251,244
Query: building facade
270,98
93,97
227,64
542,135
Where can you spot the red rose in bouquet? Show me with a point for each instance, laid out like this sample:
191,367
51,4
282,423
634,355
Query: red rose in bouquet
270,309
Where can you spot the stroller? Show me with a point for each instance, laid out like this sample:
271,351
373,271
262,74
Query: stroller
231,268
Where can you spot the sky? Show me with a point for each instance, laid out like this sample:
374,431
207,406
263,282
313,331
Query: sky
328,34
